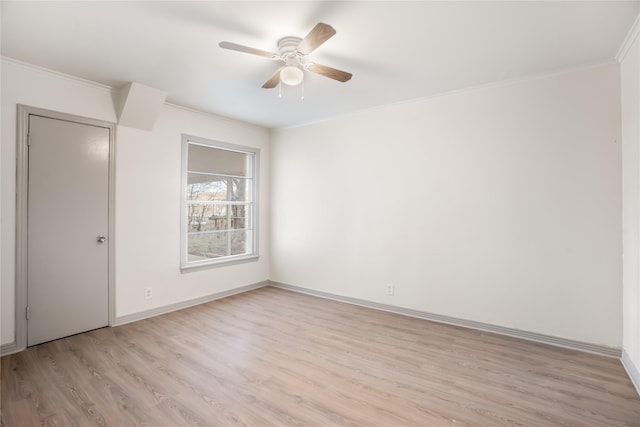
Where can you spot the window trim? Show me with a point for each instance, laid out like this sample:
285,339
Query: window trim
185,265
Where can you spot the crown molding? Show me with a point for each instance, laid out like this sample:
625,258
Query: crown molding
632,36
462,91
43,70
214,116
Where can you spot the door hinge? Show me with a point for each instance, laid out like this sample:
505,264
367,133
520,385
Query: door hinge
28,312
28,139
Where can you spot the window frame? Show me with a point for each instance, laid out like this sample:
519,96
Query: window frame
252,227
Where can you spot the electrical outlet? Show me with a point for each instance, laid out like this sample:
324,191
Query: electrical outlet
390,289
148,293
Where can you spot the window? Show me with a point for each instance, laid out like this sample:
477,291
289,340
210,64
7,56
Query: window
219,211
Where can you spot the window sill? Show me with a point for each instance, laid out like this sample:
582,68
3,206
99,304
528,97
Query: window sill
221,263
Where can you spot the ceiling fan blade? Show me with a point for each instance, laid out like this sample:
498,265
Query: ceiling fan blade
332,73
247,49
318,35
273,80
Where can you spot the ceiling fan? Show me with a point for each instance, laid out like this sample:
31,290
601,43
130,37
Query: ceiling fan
293,52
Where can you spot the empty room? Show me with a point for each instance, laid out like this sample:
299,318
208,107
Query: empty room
320,213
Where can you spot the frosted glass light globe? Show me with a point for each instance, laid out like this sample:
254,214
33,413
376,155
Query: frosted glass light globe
291,76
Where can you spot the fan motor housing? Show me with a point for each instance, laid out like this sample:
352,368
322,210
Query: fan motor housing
287,47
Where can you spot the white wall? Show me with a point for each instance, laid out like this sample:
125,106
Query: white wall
148,212
147,193
500,205
630,84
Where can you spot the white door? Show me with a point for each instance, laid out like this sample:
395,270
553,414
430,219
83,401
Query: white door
68,217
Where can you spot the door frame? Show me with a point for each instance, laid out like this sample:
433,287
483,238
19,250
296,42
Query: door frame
22,193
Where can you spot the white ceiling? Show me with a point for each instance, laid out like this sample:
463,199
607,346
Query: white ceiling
397,51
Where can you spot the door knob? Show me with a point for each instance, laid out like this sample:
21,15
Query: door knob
101,239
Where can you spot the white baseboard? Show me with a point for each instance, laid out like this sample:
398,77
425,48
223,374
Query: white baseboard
9,348
530,336
632,370
12,347
185,304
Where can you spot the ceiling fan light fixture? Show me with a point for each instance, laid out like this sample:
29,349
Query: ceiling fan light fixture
291,75
293,51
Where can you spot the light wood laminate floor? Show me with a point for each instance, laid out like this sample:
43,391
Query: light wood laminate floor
272,357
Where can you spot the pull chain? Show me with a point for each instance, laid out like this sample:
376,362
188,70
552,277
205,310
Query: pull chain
301,90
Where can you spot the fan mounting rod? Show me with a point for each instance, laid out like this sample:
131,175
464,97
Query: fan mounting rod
287,46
